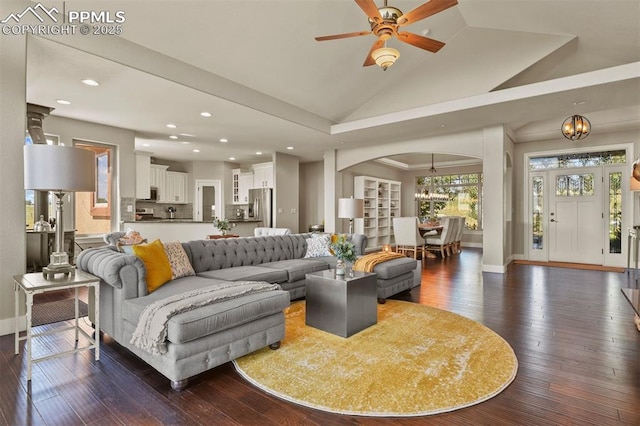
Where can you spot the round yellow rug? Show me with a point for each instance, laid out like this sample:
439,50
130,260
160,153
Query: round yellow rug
416,361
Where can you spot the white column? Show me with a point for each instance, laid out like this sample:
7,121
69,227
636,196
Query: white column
332,191
493,240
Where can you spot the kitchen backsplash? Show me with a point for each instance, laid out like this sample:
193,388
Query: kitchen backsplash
183,211
125,203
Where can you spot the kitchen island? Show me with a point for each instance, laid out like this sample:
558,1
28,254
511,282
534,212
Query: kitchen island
186,229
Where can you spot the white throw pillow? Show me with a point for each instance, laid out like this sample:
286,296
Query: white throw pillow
318,245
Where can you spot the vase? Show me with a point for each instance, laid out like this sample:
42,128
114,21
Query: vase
340,267
223,232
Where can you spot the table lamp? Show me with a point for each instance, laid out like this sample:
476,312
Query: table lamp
59,169
350,208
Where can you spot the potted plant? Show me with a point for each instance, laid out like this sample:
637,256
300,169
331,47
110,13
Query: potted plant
222,225
345,252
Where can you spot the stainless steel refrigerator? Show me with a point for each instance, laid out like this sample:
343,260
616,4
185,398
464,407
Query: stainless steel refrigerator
261,206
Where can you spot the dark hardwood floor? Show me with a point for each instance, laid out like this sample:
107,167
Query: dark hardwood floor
572,331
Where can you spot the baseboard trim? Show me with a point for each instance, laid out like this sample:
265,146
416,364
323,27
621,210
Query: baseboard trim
8,325
497,269
472,245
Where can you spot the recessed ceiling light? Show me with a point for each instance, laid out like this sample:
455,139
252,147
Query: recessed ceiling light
443,126
90,82
580,102
289,147
185,142
145,144
171,126
258,152
205,114
196,150
173,137
223,140
188,135
232,158
63,102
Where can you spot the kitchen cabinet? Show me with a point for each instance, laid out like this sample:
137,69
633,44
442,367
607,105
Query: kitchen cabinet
175,187
143,176
242,183
157,179
381,204
263,175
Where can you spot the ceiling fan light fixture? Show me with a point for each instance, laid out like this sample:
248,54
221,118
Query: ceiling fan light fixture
385,57
576,127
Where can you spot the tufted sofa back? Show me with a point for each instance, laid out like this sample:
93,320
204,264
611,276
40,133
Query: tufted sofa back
208,255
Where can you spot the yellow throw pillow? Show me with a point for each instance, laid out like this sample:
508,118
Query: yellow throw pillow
156,262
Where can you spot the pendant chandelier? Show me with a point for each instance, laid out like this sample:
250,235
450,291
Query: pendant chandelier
423,193
576,127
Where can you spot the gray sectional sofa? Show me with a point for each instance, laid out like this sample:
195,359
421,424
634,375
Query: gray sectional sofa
207,336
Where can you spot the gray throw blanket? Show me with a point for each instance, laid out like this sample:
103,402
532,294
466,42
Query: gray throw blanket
151,331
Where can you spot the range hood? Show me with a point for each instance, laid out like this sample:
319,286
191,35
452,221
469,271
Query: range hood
35,115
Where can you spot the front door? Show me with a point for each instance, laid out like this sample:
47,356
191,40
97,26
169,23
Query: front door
575,219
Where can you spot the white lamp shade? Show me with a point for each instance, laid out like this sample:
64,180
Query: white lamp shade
59,168
349,208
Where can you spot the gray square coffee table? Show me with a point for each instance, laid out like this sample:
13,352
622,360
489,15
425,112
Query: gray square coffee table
341,305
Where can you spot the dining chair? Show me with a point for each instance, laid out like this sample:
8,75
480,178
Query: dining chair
408,238
441,242
450,244
457,243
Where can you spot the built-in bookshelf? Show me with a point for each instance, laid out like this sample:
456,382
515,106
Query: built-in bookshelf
381,204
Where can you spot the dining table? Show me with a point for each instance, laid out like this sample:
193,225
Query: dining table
425,228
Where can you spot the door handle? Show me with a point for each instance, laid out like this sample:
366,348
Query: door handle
553,220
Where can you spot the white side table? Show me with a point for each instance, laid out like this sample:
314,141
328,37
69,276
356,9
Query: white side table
35,283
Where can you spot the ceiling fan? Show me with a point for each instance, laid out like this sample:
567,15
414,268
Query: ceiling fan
386,22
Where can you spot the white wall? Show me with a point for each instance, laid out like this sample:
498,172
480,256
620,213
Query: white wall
311,190
13,110
213,170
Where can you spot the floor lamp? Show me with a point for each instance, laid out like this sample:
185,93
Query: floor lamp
59,169
350,208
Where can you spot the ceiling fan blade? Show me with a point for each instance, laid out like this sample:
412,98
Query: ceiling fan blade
370,8
346,35
369,61
429,8
422,42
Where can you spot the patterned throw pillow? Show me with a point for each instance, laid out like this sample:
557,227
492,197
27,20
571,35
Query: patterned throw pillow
178,259
318,245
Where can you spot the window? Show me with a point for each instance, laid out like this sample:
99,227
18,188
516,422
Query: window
574,185
566,161
464,192
615,212
537,201
93,210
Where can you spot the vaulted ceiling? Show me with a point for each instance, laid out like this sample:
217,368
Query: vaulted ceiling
256,67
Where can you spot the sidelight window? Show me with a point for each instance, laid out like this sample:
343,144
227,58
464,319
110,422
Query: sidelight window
537,201
615,212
